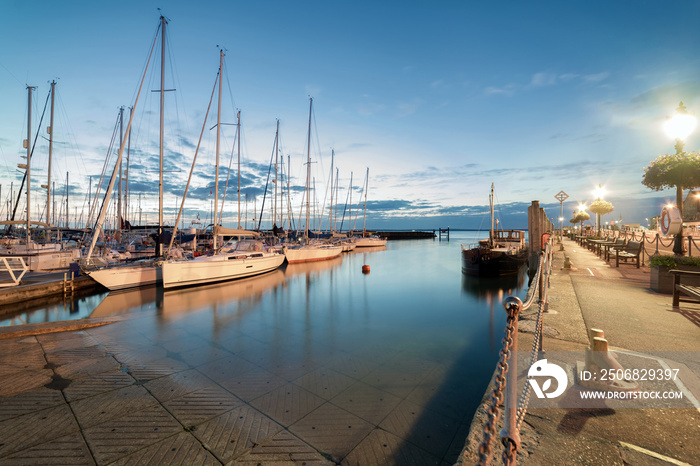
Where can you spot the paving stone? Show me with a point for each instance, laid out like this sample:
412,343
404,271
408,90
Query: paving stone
367,402
253,384
182,449
177,385
69,450
283,448
84,387
110,405
288,403
384,448
31,429
428,430
201,405
156,368
331,430
80,368
236,431
325,383
18,382
121,436
28,402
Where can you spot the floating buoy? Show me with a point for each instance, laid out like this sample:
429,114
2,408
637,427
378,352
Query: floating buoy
365,269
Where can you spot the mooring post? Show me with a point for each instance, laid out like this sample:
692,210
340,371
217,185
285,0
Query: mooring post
535,231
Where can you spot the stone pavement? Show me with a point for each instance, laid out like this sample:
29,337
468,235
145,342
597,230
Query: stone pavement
618,301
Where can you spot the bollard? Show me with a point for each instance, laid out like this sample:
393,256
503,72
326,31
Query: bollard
598,359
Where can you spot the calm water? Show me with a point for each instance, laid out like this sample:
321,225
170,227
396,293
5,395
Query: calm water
414,316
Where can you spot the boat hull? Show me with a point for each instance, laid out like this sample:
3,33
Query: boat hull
214,269
487,263
370,242
311,253
123,277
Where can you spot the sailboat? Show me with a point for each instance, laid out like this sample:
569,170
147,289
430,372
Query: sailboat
503,253
142,273
244,257
308,251
366,240
50,254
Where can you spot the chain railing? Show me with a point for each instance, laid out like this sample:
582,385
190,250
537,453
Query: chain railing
505,381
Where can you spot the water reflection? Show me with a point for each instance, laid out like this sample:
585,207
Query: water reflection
408,348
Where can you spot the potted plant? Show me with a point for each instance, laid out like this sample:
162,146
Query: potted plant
662,280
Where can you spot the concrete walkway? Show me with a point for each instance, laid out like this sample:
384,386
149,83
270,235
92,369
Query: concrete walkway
635,319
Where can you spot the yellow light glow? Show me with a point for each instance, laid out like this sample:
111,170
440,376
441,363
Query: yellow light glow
680,126
599,192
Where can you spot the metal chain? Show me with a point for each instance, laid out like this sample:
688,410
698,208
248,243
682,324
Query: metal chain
497,395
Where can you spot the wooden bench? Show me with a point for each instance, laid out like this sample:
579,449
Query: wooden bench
619,243
632,251
679,288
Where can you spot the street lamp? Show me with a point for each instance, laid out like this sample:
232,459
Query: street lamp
679,128
599,193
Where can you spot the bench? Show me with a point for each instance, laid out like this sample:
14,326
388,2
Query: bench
632,251
619,243
679,288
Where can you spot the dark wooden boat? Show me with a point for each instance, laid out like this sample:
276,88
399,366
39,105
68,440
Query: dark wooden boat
503,253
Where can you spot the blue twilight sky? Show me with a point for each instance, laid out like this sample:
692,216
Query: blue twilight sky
438,99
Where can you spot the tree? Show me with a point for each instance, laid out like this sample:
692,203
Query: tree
680,170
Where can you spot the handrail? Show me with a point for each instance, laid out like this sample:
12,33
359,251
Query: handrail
505,380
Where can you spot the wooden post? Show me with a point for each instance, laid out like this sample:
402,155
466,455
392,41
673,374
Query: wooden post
535,230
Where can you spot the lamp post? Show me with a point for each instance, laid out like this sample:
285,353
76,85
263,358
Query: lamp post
598,192
679,128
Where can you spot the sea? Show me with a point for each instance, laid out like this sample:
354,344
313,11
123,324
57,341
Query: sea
415,327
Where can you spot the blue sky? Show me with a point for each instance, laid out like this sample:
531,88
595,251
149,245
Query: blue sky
438,99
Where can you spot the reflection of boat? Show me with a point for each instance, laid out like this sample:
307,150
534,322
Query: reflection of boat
188,300
312,267
126,301
503,253
490,288
369,249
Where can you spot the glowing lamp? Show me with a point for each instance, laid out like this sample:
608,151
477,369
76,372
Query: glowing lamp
680,125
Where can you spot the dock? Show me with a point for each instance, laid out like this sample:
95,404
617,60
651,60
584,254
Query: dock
37,287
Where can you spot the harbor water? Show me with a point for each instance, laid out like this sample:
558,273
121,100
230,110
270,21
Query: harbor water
408,347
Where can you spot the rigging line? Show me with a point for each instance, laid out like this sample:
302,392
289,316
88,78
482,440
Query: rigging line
269,170
228,176
24,178
228,85
194,160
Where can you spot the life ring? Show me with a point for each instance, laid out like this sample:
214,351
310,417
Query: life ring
670,222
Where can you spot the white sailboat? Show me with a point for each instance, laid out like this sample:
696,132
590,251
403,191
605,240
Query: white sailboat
148,272
308,251
50,254
367,241
243,258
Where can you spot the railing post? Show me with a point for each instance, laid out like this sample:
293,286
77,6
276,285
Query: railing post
690,248
657,244
509,433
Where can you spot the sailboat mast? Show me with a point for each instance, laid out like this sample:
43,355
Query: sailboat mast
491,210
308,169
50,131
330,213
239,169
276,182
29,159
218,134
119,188
364,214
159,250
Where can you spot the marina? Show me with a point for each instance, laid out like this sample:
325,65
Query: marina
320,342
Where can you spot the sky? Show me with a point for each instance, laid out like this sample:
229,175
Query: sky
437,99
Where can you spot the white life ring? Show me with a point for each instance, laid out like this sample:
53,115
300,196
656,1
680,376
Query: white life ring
671,222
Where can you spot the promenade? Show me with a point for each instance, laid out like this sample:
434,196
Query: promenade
594,294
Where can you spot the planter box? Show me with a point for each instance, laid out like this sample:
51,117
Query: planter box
662,280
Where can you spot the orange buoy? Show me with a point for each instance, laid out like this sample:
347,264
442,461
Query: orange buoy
365,269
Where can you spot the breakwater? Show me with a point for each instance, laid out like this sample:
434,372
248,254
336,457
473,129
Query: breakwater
413,234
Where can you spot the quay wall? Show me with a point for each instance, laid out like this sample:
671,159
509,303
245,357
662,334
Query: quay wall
10,297
394,235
